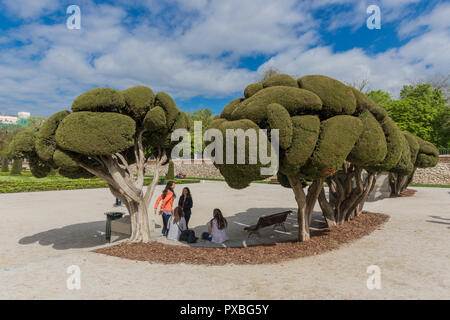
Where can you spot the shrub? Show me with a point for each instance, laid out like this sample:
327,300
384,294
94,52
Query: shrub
171,171
16,167
94,133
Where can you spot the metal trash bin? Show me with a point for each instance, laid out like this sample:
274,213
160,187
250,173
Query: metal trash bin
110,216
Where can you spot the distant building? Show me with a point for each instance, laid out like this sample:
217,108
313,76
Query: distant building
20,119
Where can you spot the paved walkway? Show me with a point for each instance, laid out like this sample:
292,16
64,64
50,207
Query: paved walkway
42,234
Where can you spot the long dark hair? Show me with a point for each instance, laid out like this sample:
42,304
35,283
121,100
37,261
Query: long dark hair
188,192
167,188
221,221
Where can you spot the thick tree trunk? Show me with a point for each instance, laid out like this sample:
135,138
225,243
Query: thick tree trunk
305,204
399,183
347,194
129,187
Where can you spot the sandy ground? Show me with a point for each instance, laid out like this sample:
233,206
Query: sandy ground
44,233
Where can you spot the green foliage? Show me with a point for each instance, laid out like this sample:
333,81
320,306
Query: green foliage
171,171
93,133
203,115
39,168
306,131
138,101
64,161
45,139
414,146
22,144
279,80
278,118
363,103
5,160
99,100
168,105
251,89
423,112
371,147
296,101
75,173
34,122
337,98
404,166
16,167
25,183
428,155
283,180
337,137
380,97
239,176
228,110
394,141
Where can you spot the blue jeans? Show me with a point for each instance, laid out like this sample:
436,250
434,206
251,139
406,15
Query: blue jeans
206,236
165,218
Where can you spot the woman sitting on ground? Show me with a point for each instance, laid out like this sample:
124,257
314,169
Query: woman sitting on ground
217,228
176,224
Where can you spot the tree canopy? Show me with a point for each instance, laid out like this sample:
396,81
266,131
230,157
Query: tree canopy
109,134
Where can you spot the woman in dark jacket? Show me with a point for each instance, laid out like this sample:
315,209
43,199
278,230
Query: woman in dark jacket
185,202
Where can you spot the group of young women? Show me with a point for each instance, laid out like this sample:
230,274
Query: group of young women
177,220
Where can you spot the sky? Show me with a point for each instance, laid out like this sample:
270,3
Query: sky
205,52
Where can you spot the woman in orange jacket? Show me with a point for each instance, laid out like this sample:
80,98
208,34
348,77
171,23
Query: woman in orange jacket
166,199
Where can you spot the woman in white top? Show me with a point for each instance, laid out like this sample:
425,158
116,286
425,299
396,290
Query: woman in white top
176,224
217,228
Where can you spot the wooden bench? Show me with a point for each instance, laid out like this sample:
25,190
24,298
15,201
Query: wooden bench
277,220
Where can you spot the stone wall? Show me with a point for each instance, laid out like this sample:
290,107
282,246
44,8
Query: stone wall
437,175
205,169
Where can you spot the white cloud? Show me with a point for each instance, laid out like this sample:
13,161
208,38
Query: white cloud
30,8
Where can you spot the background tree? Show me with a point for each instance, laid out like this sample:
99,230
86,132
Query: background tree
35,122
109,134
421,110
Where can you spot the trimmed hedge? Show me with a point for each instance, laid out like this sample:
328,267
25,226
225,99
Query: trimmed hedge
45,139
337,137
99,100
280,80
337,98
306,131
93,133
371,147
138,101
73,184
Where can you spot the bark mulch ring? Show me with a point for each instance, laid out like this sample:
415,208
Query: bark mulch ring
323,240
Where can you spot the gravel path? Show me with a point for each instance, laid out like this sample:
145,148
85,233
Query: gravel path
42,234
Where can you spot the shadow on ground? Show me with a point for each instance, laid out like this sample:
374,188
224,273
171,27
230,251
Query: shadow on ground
439,220
238,237
75,236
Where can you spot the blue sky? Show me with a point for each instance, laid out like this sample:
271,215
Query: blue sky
204,52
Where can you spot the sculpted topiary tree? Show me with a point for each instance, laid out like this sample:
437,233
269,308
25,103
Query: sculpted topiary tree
324,126
423,154
5,160
111,134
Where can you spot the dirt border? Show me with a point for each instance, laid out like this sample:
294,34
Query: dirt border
323,240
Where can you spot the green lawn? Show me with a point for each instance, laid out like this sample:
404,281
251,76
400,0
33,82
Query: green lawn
27,183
